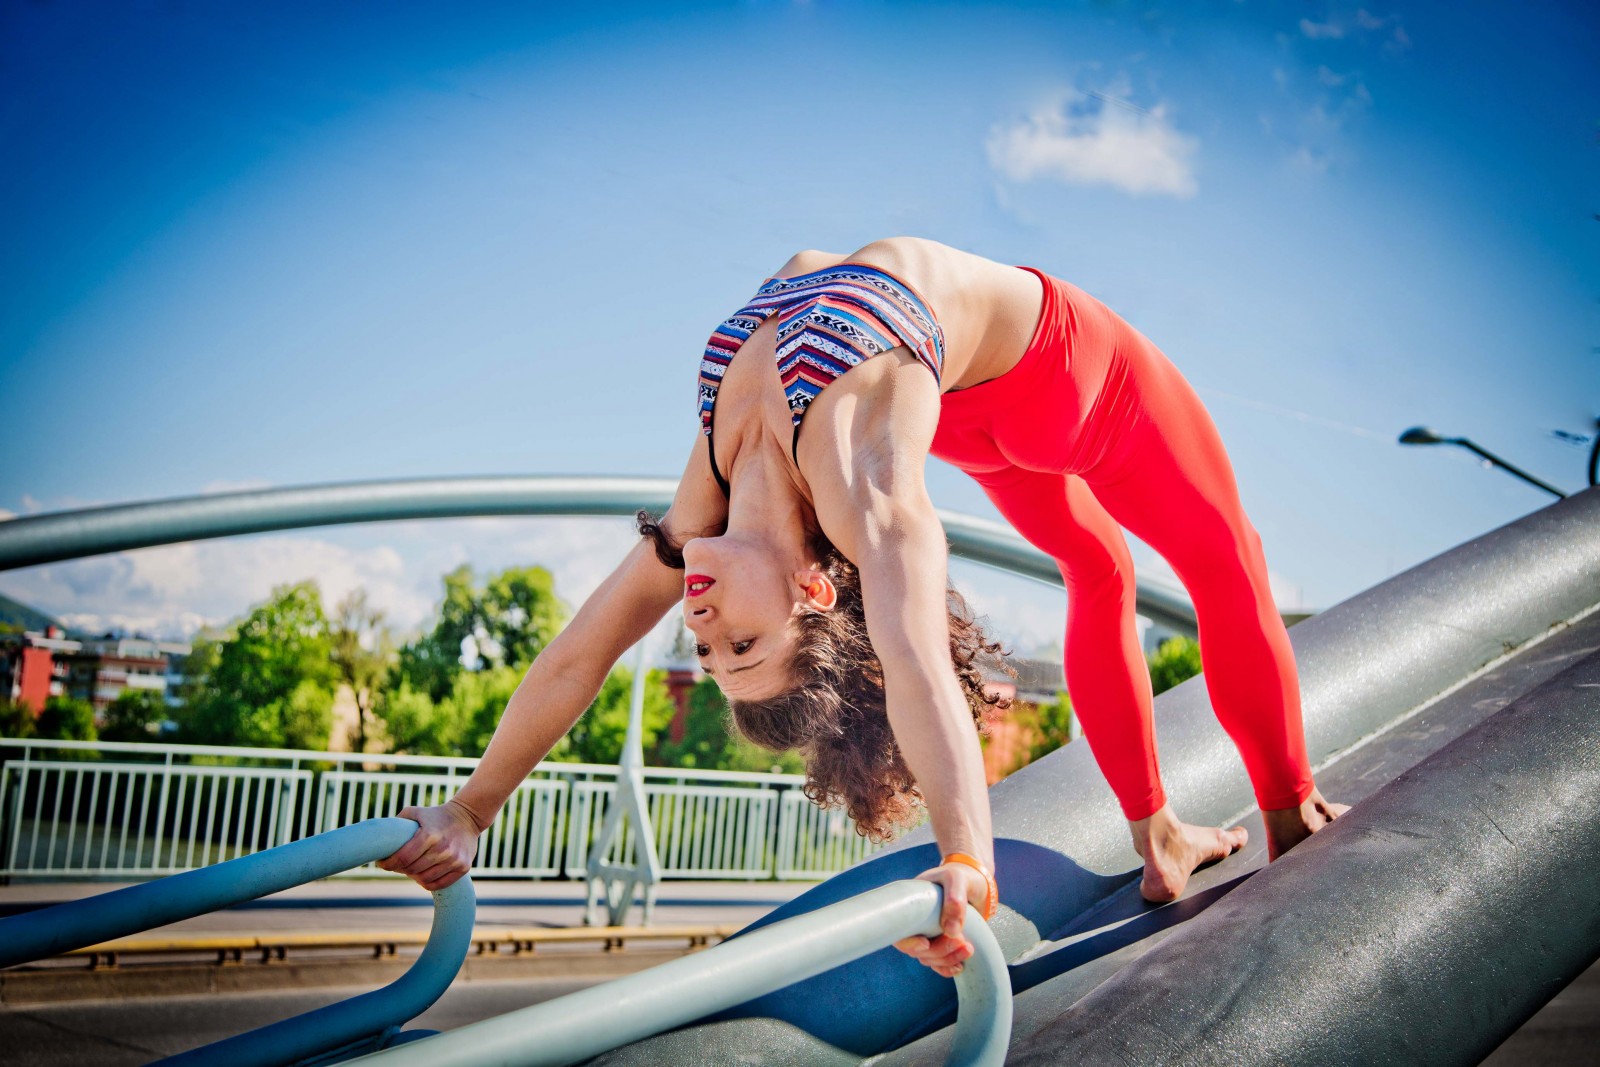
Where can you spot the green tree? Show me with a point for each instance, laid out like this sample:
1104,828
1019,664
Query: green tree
507,622
415,724
462,723
1050,725
521,614
459,725
1175,660
362,649
431,662
136,715
66,719
710,742
269,682
16,720
475,703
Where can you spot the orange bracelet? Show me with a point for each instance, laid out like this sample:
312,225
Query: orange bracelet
991,903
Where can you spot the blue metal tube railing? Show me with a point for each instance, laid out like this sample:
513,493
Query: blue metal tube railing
37,539
584,1024
367,1017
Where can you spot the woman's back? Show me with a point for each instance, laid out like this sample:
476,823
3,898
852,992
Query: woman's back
986,312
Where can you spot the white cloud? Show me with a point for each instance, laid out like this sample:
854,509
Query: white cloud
1336,27
1317,31
1094,139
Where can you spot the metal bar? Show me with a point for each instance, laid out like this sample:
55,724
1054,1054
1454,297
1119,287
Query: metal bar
80,923
277,808
36,539
139,779
55,822
179,809
551,771
259,803
584,1024
161,812
72,817
219,829
11,798
702,830
202,828
1508,468
781,858
110,777
559,823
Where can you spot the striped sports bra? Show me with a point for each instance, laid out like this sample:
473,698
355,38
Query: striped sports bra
828,321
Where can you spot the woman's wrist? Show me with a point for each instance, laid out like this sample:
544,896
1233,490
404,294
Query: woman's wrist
991,901
479,823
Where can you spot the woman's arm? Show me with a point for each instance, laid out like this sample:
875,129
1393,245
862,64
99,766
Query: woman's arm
865,464
560,685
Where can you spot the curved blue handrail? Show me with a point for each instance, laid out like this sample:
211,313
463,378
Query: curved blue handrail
584,1024
80,923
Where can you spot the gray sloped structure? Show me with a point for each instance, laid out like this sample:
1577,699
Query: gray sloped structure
1446,895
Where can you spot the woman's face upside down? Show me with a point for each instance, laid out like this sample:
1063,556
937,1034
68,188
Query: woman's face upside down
740,599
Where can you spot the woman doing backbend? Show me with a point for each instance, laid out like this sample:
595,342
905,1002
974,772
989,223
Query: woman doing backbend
812,569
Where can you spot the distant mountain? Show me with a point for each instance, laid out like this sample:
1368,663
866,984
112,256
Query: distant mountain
18,614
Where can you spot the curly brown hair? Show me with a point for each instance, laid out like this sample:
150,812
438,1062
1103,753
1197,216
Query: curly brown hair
836,715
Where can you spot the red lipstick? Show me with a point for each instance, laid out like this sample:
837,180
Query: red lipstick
695,584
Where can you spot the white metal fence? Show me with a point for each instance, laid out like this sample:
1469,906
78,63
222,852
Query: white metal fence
87,809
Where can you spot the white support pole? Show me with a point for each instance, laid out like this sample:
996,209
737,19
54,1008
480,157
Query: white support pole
620,883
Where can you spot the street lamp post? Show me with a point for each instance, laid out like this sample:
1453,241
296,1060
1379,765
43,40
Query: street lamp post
1421,435
1594,456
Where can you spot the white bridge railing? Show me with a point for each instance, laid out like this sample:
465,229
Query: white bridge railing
75,809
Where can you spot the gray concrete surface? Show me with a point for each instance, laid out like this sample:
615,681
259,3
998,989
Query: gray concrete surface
117,1033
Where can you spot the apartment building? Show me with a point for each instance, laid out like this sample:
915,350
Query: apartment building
35,666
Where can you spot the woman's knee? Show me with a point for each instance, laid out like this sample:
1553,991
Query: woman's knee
1215,541
1098,572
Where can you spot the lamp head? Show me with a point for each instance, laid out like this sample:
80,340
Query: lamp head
1421,435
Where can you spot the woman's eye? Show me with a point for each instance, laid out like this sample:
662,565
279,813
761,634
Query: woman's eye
741,647
702,650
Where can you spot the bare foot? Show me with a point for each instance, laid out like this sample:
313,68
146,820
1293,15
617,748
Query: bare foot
1287,827
1172,850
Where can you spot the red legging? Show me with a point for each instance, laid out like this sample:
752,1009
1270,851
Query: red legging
1095,427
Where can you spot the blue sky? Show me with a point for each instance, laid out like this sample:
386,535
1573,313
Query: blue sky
294,243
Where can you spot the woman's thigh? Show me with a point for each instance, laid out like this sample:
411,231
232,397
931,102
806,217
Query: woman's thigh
1059,515
1167,477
